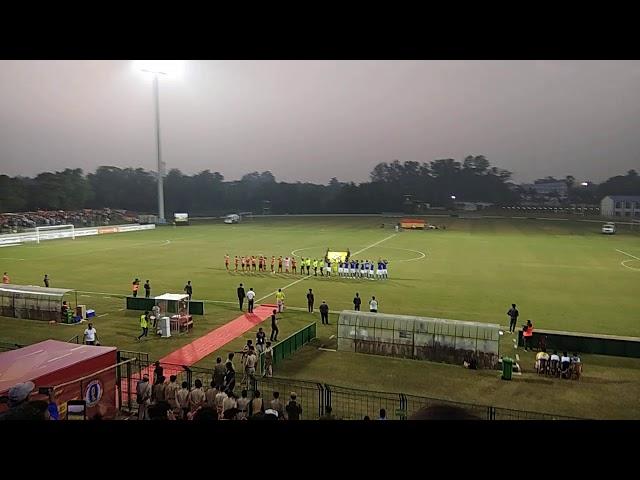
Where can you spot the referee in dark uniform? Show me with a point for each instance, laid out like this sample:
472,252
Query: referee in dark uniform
356,302
310,301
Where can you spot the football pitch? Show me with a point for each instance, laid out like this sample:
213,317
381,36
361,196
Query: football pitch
563,275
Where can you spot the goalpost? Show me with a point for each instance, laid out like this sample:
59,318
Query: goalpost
68,231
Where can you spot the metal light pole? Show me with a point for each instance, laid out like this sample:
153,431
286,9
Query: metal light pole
161,218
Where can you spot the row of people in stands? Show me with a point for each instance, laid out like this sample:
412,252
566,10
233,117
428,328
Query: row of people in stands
563,366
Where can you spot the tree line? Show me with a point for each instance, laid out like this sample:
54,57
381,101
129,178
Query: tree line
393,186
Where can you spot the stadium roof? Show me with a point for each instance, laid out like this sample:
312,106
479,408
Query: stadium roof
34,290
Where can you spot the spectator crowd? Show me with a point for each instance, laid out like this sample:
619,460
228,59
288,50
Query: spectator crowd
15,222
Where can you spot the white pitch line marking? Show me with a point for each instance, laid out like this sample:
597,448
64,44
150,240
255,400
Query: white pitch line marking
327,349
103,315
304,278
628,254
624,264
332,337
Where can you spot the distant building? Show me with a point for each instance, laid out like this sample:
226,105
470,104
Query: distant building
620,206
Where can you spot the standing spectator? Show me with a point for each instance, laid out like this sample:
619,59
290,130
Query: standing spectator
250,364
243,406
147,289
182,399
373,305
171,394
144,324
218,373
280,300
143,396
294,410
46,280
256,406
250,296
196,396
310,301
277,405
229,361
527,335
324,313
230,378
157,371
274,327
513,317
260,339
210,395
268,361
383,414
135,286
188,289
5,278
229,403
220,398
155,310
241,296
90,335
357,301
158,391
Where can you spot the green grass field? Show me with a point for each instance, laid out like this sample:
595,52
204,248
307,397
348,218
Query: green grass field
563,275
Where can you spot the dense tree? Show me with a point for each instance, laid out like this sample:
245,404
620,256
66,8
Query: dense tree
207,193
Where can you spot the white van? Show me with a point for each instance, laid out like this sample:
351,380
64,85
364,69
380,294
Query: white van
609,228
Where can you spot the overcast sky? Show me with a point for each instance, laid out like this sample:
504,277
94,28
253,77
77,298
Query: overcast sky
312,120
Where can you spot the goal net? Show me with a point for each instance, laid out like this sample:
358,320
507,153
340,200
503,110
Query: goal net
53,232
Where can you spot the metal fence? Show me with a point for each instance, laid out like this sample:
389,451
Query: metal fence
347,403
289,345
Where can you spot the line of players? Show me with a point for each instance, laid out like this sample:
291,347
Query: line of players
348,269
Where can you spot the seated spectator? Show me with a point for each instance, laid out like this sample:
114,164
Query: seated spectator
271,414
541,355
575,358
554,362
565,363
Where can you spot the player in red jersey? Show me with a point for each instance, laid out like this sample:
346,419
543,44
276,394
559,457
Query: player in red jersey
226,261
273,262
293,264
236,262
280,264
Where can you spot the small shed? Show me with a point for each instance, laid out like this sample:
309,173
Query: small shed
34,302
174,303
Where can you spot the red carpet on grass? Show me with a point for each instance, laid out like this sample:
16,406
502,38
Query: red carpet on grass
203,346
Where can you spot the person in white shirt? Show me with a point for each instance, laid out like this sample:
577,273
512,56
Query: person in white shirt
250,367
250,296
90,335
286,264
373,305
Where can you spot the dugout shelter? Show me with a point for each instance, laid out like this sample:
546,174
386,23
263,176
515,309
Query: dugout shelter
35,303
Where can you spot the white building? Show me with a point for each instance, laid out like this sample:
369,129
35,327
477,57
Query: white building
620,206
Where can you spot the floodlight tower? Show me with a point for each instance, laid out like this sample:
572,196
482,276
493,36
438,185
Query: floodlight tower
156,68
